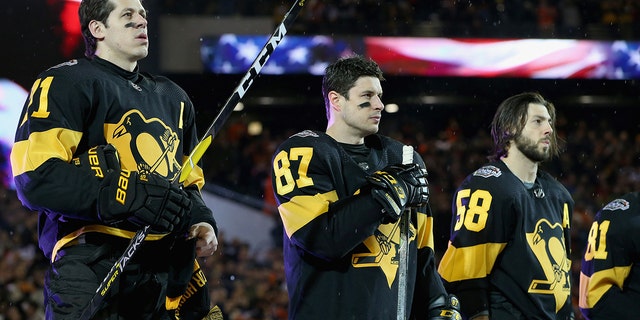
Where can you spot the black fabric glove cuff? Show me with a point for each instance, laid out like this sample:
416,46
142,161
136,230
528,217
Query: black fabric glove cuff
445,307
199,210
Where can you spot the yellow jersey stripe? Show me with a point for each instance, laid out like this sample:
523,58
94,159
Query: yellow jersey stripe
462,263
28,155
300,210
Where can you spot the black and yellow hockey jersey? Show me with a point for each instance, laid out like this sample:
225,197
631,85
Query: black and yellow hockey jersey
340,261
610,277
510,240
84,103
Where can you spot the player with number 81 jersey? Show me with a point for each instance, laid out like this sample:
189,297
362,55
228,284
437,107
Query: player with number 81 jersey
609,280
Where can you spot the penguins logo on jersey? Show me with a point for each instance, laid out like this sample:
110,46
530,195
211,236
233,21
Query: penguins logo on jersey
148,145
548,244
383,248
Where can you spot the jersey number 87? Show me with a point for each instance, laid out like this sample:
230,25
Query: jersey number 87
282,169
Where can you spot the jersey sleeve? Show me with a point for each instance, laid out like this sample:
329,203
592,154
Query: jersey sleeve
480,230
608,278
316,217
46,140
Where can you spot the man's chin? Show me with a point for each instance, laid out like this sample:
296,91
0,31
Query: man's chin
141,54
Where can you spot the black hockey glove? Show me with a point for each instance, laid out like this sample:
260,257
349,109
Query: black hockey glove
147,199
99,160
445,308
398,186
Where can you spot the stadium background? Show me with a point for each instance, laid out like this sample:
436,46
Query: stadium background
445,117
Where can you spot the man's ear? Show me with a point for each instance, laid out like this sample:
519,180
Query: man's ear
335,100
97,29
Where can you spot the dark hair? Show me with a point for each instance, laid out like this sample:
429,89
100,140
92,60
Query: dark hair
510,119
90,10
342,75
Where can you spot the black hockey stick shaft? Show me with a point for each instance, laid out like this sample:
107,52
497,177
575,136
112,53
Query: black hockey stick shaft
114,274
241,89
198,151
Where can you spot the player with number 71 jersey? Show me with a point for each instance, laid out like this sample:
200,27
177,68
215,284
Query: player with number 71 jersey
610,276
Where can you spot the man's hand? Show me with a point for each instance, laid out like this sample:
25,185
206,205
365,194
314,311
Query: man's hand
148,199
206,240
398,186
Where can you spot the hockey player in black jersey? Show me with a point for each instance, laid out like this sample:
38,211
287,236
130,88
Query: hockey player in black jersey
340,194
610,276
508,253
95,150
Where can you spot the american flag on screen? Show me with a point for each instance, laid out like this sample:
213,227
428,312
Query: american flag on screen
521,58
234,54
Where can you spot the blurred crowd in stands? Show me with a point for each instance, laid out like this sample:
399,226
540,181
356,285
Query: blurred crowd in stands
601,159
574,19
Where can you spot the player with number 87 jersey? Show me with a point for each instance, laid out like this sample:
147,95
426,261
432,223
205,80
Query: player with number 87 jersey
340,194
609,285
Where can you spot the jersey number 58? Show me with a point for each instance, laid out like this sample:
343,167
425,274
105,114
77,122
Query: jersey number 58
474,215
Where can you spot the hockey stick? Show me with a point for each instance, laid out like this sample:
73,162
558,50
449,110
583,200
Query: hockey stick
197,153
403,251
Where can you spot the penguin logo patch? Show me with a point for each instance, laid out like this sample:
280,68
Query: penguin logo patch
145,145
548,244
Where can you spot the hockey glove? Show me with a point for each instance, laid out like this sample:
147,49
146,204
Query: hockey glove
398,186
99,160
147,199
445,308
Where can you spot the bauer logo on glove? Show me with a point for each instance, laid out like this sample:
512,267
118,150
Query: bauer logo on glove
99,160
142,199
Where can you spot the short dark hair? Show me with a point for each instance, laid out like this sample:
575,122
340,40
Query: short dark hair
341,76
89,10
510,119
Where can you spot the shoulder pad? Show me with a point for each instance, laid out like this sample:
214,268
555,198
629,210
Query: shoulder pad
72,62
306,133
488,171
617,204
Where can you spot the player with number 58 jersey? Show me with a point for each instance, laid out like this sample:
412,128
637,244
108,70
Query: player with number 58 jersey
610,276
509,247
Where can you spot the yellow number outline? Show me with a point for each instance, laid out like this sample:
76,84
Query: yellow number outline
43,104
475,214
597,241
282,169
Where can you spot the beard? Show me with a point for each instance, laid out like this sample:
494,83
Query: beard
530,149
